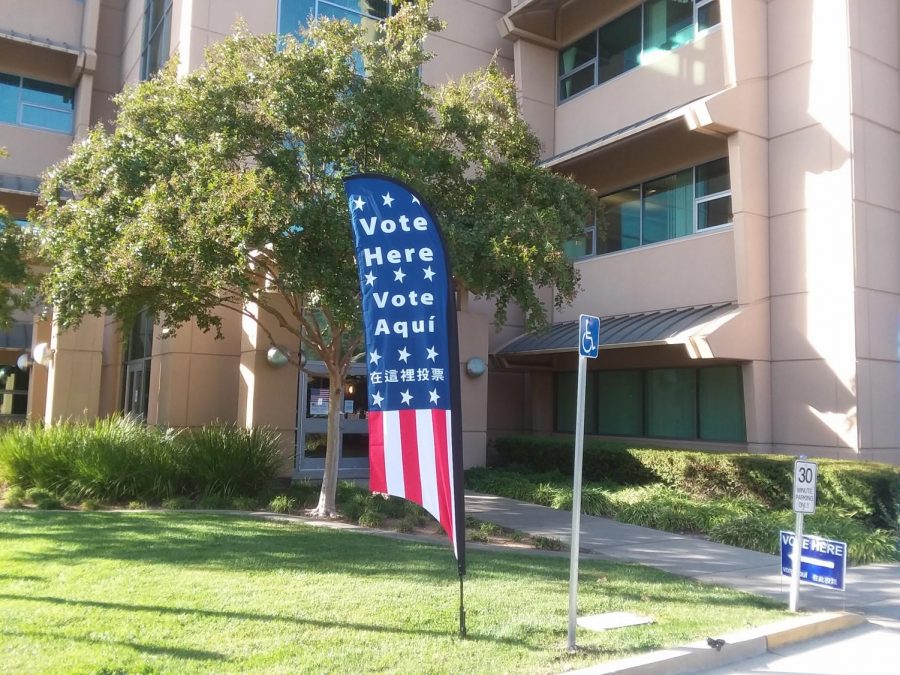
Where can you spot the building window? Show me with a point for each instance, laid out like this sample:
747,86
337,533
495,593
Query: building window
677,205
632,39
294,14
32,103
157,29
136,366
13,393
685,403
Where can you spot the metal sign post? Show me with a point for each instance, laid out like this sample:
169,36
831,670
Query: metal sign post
805,474
588,347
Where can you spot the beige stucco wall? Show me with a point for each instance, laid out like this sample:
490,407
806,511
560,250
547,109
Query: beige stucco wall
874,32
56,20
812,273
194,376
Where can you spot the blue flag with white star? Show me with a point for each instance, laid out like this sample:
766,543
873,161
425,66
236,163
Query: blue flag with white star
409,314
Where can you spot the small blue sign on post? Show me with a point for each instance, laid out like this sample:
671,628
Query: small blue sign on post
823,562
588,336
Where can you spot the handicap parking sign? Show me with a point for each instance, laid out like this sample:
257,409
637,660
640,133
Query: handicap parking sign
588,336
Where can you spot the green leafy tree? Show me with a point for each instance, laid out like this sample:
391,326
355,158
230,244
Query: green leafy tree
14,276
223,189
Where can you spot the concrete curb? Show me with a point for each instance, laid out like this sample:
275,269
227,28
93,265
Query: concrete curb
739,645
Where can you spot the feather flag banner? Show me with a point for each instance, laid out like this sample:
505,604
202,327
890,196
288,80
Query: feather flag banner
412,352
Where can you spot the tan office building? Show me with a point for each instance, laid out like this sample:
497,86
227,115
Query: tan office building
745,262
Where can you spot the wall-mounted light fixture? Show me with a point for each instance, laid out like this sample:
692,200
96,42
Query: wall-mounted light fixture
24,362
42,354
277,357
475,367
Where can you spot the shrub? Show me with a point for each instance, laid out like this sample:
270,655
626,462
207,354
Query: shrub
136,505
759,531
177,503
43,499
225,460
90,505
120,459
756,531
14,497
305,492
548,544
408,524
213,502
371,519
282,504
871,492
243,503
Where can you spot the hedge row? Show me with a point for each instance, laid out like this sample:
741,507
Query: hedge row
869,491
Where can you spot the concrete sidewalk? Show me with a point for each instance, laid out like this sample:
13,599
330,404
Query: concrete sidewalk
873,590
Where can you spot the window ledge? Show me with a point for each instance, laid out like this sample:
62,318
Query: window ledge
708,232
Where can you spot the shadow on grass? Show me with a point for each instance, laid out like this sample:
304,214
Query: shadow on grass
226,542
245,616
177,652
20,577
212,541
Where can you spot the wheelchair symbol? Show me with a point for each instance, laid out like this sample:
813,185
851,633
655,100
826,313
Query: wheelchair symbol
587,342
589,336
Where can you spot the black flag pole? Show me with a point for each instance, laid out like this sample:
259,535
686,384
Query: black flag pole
459,495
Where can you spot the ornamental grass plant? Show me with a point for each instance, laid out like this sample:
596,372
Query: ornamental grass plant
120,459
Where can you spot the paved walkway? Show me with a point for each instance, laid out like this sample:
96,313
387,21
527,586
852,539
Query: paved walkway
873,590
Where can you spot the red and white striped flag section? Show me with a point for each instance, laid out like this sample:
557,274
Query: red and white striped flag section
409,312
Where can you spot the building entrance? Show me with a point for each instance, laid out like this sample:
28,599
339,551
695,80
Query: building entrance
312,423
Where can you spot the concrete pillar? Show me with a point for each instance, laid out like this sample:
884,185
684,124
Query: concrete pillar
37,382
267,395
73,380
473,342
194,376
111,368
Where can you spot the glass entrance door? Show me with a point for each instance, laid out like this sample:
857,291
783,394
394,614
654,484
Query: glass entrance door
137,388
353,459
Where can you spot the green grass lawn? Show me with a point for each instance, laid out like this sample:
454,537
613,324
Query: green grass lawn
184,592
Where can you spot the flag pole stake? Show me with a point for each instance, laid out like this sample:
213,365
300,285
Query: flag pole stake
462,609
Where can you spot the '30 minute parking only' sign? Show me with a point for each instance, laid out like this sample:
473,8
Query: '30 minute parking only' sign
805,474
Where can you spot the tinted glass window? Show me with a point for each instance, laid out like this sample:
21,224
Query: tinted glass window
667,24
714,212
668,207
709,15
9,98
621,221
713,177
578,54
619,45
722,404
671,403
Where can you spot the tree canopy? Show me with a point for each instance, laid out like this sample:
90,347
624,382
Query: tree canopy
15,280
213,186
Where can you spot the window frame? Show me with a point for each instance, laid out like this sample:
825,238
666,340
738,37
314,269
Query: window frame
594,383
149,32
697,4
21,103
591,228
279,29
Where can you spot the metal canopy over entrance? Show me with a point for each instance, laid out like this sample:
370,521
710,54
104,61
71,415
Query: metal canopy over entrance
663,327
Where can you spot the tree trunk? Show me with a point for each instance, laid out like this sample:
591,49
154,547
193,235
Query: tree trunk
327,507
